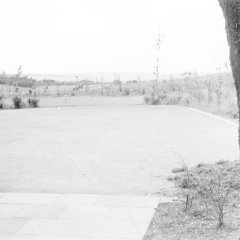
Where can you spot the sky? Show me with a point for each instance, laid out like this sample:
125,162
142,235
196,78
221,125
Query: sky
74,36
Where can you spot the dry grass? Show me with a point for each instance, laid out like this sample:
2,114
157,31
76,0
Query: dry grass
212,93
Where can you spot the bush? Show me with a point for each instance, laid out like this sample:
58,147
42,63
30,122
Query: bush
33,102
17,102
155,99
173,99
162,98
147,99
1,102
126,91
210,187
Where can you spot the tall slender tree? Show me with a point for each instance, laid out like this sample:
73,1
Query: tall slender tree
231,12
157,60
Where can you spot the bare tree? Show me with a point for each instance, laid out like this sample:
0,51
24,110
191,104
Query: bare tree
219,92
209,86
19,71
157,60
231,12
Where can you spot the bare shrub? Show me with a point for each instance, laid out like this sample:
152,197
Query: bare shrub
126,91
1,101
209,86
211,188
155,98
17,102
33,102
219,92
173,99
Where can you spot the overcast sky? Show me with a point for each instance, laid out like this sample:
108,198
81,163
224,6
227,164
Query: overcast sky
74,36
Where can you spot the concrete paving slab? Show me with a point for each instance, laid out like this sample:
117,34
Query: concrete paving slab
49,237
75,212
118,214
9,210
140,215
58,237
76,199
141,227
47,226
30,198
106,229
69,220
128,201
12,225
132,214
18,237
55,237
40,211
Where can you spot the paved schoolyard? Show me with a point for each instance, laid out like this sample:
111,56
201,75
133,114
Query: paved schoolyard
112,152
106,149
75,216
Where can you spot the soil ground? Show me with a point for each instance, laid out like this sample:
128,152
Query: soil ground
171,223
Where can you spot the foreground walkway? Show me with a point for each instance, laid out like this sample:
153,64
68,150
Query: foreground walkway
74,216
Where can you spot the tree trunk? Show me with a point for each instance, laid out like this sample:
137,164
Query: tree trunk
231,12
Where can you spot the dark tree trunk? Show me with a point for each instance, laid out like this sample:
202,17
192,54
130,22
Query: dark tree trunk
231,12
